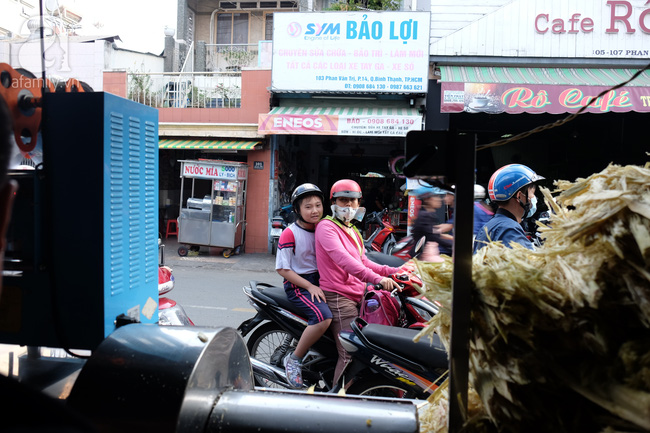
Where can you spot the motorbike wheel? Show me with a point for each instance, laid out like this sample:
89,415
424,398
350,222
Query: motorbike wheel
378,386
388,246
264,344
274,246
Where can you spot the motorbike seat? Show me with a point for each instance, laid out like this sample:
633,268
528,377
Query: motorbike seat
384,259
277,296
400,341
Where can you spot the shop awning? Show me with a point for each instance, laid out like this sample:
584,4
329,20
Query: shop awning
310,120
207,144
541,90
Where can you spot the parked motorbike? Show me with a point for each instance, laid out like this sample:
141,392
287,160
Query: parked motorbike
278,326
280,221
382,238
403,248
396,255
169,312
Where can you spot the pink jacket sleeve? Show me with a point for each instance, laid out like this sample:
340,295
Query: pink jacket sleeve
338,254
382,270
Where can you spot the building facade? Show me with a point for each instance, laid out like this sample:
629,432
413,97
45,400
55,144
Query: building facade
304,95
519,65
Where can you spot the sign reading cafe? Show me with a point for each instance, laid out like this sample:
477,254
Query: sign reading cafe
368,52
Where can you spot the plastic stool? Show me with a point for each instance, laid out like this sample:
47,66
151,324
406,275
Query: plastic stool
175,232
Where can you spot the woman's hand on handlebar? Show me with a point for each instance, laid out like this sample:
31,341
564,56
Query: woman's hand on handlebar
387,283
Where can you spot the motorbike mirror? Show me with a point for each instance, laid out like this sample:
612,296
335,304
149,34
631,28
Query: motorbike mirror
429,154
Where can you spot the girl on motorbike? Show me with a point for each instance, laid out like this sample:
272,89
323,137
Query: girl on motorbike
296,263
345,270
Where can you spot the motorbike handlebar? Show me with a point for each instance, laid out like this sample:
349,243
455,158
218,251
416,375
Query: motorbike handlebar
393,292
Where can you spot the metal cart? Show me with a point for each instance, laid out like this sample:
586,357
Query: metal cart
218,219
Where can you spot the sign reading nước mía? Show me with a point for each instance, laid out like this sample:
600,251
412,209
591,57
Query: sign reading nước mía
353,52
200,170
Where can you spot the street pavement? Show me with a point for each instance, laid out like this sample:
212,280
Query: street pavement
262,262
208,286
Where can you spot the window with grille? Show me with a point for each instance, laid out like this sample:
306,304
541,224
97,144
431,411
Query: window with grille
268,30
232,28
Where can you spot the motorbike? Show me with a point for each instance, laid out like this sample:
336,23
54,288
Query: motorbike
532,230
382,238
280,221
170,313
278,325
403,248
387,363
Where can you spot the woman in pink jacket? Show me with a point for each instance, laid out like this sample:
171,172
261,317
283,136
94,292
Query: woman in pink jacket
342,263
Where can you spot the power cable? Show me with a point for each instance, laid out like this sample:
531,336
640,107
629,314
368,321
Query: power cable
561,121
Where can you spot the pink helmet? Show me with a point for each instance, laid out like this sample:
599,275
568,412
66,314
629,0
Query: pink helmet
345,188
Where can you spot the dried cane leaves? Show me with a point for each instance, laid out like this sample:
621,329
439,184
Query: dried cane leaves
559,336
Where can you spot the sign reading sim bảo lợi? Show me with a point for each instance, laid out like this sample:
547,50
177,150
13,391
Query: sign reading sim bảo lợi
352,52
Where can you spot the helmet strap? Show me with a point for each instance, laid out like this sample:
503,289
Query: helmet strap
525,206
296,210
299,217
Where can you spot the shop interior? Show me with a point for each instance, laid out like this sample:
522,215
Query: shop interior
170,181
575,149
373,162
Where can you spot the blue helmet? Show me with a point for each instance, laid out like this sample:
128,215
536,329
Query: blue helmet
509,179
427,191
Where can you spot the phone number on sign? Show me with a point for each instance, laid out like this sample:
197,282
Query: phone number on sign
388,121
384,86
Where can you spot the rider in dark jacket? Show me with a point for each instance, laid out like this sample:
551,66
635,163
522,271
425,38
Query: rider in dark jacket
429,216
512,187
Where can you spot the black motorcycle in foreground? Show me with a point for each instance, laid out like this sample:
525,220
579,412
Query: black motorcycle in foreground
387,363
385,360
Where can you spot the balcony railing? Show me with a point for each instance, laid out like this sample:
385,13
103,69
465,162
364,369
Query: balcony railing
231,57
186,89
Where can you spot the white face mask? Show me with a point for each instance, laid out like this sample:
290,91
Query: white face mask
347,214
533,207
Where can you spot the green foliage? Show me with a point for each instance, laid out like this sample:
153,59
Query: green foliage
139,87
375,5
237,57
227,92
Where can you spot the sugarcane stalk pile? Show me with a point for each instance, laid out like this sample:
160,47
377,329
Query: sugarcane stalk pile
560,336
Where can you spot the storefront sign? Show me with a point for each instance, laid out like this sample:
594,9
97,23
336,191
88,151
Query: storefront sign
622,16
615,29
360,52
209,171
525,98
329,124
